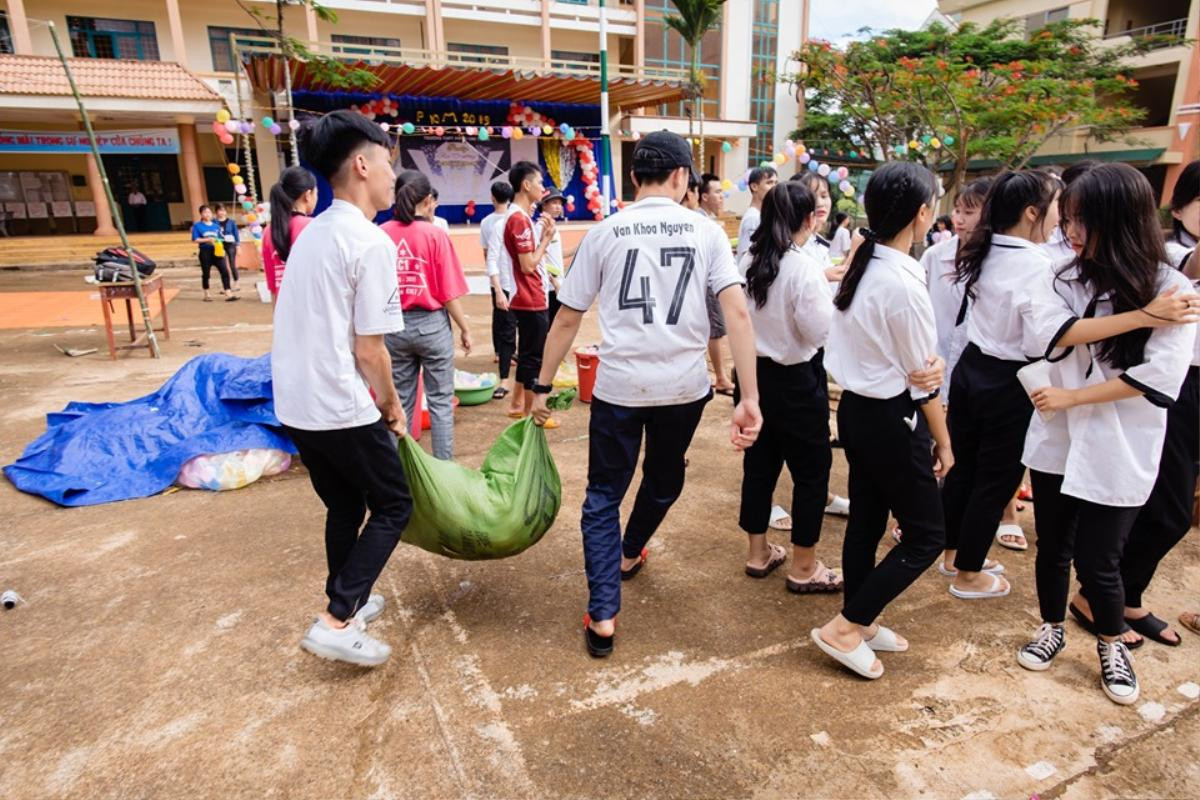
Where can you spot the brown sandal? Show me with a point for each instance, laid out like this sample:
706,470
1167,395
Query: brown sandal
823,580
1191,621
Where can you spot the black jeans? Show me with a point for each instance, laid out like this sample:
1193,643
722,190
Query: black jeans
504,336
208,260
795,406
532,327
891,469
989,416
353,470
1058,519
614,440
231,258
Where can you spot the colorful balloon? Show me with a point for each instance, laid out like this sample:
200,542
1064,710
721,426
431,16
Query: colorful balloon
267,122
408,128
780,159
237,179
276,130
239,188
814,165
935,143
845,187
805,158
234,169
801,149
727,184
223,116
823,170
842,172
233,126
518,133
294,124
948,141
546,129
439,131
483,135
385,127
726,147
246,204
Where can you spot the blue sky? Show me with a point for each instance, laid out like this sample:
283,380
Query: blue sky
836,19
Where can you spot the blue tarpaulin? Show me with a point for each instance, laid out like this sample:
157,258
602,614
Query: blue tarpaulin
94,453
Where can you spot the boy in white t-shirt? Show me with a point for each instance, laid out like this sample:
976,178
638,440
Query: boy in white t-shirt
504,324
649,268
327,357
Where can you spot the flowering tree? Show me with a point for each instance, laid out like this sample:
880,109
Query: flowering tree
946,96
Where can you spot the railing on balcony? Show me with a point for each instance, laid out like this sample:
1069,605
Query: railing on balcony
1170,30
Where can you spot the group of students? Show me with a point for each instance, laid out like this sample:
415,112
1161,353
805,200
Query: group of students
216,237
1109,325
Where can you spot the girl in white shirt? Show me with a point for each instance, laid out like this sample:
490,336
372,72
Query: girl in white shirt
882,330
839,244
1093,464
791,306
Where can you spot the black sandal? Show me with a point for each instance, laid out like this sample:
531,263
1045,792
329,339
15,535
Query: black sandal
1152,627
627,574
500,393
1090,626
772,564
597,646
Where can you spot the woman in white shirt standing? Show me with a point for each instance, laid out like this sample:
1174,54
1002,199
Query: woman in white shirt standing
839,244
882,330
791,306
1093,464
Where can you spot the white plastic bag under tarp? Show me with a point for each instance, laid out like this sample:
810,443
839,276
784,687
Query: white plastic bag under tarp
221,471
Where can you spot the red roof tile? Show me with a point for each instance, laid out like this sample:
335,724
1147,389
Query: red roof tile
101,77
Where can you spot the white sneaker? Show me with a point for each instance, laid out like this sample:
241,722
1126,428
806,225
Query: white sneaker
371,609
839,506
1116,672
350,644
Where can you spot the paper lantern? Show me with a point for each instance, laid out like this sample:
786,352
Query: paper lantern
823,170
408,128
439,131
233,126
234,169
843,173
294,124
276,130
239,189
267,122
726,147
518,133
727,184
223,116
805,158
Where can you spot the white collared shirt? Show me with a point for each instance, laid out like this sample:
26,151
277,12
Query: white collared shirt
498,261
818,250
649,268
840,246
1013,285
749,224
1176,253
887,332
1108,453
794,322
1057,247
946,297
341,276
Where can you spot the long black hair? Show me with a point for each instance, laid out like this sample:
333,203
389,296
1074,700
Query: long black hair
412,188
1187,189
836,222
1122,251
785,210
1011,193
292,184
894,196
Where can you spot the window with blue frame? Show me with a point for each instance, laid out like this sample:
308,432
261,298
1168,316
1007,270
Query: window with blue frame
765,43
220,47
95,37
6,45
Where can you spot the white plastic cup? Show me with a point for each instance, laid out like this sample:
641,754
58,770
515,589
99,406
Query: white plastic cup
1036,376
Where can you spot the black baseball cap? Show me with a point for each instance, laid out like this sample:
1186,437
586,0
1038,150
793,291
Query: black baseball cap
551,194
661,151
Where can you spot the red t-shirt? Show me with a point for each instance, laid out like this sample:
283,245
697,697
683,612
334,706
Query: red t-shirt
427,268
273,266
519,238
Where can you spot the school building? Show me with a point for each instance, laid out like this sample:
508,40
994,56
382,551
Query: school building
155,72
1168,78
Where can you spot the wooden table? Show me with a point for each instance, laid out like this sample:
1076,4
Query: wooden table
128,292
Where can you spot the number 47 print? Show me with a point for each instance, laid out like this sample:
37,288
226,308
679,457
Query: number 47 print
667,257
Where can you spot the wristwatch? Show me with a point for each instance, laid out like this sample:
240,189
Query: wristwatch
541,388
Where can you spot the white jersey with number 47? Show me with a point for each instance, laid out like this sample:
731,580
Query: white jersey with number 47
649,267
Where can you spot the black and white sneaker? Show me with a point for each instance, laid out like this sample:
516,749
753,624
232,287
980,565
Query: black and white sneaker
1038,654
1116,672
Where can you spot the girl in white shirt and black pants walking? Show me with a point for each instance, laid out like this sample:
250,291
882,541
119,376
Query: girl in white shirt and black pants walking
883,330
790,306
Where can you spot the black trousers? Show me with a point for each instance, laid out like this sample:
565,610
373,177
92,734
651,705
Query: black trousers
891,470
208,260
504,336
1167,515
231,257
989,416
795,407
532,327
1058,520
353,470
552,299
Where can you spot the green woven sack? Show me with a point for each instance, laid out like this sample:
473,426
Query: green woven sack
496,511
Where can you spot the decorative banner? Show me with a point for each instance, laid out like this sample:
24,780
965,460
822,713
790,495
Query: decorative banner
164,140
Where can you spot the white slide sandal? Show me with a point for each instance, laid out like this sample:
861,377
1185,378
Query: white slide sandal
886,641
780,519
1010,530
995,591
995,569
858,660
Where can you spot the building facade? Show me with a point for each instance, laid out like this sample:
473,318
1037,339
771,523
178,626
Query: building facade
192,39
1168,77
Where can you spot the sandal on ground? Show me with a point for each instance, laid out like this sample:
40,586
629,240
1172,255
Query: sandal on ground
208,299
725,392
823,580
597,646
1152,627
500,393
858,660
232,298
989,566
778,556
550,424
780,519
994,591
516,415
627,574
1090,626
1191,621
1012,537
885,640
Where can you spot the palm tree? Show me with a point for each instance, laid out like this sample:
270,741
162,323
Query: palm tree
695,18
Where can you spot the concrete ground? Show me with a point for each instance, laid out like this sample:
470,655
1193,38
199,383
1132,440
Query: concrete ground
157,655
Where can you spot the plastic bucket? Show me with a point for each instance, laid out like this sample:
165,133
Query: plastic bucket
587,361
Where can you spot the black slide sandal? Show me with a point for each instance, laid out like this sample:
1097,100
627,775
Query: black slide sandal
1090,626
1152,627
597,646
627,574
500,393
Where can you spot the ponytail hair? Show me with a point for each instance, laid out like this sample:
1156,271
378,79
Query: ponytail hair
1010,194
894,196
412,188
786,209
292,184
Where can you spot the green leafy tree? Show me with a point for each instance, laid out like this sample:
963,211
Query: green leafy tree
987,92
695,18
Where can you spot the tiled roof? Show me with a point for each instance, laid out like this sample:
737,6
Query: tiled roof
101,77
